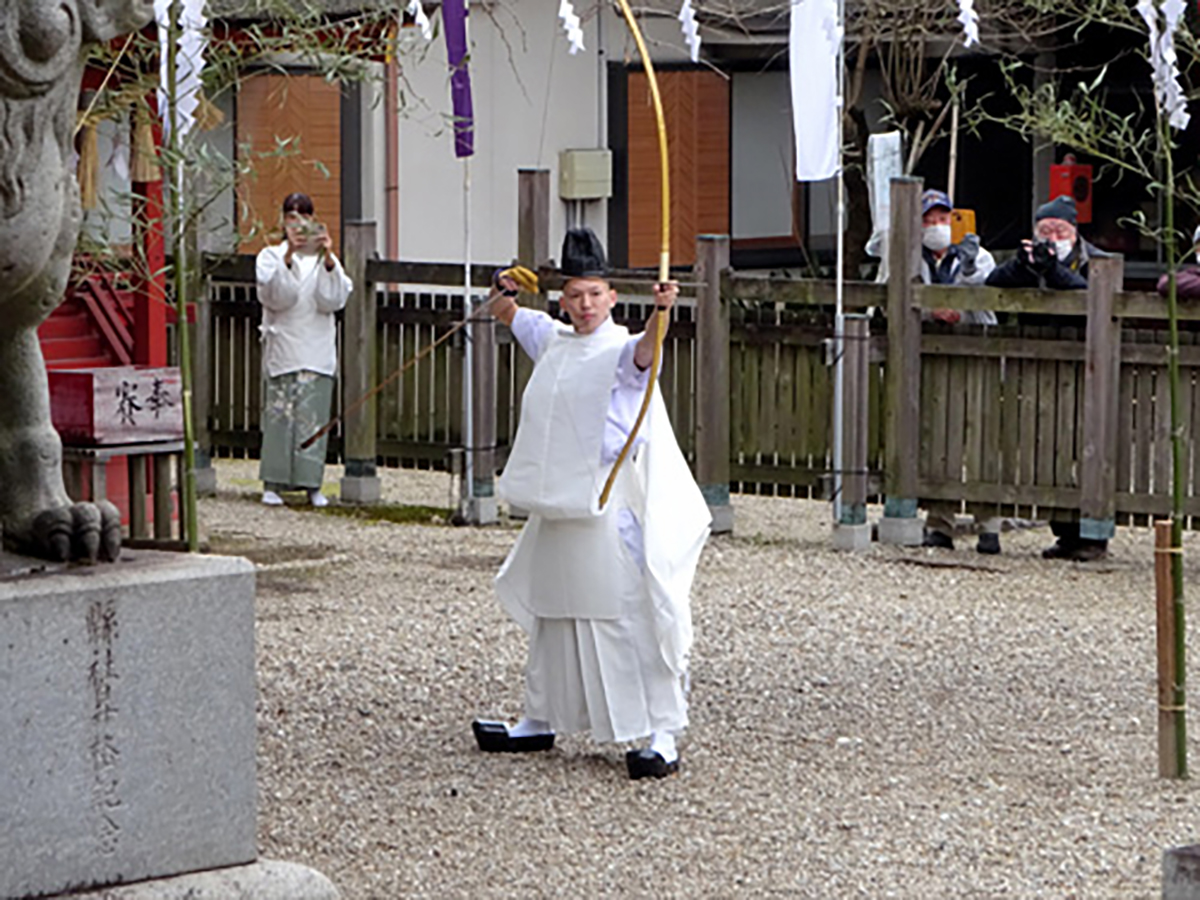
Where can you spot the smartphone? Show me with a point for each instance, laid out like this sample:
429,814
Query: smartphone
316,233
962,222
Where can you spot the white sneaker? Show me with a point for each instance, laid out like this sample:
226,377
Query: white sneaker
317,499
270,498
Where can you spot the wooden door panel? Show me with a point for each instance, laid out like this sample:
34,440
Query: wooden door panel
302,112
696,109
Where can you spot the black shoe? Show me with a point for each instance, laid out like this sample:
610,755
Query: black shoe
649,764
988,543
1057,550
1077,551
493,737
937,539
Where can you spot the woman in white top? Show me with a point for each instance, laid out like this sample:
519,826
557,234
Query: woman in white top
301,286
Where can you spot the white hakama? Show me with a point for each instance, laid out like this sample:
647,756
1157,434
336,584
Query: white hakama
603,595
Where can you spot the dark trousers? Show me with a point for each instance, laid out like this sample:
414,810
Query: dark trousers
1068,535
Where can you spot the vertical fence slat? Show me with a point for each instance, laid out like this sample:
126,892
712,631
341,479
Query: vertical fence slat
1161,467
1047,416
1143,427
1066,375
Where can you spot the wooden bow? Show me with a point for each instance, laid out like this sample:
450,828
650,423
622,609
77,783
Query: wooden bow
659,320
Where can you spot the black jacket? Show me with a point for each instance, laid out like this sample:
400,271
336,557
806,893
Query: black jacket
1060,275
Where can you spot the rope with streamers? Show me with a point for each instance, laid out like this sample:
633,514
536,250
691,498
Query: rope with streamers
659,321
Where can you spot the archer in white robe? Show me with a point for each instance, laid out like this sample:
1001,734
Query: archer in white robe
603,594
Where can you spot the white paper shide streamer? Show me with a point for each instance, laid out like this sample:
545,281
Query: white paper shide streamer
813,41
570,23
1163,61
969,19
417,11
189,61
691,33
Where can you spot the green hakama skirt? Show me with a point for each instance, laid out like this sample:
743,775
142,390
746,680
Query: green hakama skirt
297,405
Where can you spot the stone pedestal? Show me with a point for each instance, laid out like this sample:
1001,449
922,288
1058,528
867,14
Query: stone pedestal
263,880
127,724
361,489
481,511
722,519
851,537
907,532
206,480
1181,873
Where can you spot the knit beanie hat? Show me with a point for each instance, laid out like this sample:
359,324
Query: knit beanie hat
583,255
1061,207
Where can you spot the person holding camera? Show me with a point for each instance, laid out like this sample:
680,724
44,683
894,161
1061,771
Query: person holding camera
1057,256
301,287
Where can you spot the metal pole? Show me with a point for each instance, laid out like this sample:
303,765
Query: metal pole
468,490
839,370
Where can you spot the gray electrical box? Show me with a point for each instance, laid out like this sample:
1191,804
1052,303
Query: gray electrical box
585,174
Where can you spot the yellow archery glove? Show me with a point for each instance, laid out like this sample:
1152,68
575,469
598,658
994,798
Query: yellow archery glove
526,279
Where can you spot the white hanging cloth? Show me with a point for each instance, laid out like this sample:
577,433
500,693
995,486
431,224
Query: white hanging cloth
813,44
691,32
1163,61
189,61
572,26
417,11
885,161
969,19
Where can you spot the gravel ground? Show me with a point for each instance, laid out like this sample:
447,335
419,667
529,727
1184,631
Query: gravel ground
899,723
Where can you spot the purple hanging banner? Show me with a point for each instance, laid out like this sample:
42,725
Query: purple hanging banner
454,23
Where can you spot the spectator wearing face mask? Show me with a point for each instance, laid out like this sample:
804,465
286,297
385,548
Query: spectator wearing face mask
1187,281
945,263
1056,258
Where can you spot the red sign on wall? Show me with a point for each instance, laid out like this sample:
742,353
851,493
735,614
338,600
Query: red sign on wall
1075,180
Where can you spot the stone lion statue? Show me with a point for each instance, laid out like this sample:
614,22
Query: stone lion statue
42,45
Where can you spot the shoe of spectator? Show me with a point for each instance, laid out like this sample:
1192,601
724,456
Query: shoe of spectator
317,499
937,539
989,544
1077,551
270,498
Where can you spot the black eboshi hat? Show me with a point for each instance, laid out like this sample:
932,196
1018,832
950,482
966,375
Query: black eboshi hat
583,255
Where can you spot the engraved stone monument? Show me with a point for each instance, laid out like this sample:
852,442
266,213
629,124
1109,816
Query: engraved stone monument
127,690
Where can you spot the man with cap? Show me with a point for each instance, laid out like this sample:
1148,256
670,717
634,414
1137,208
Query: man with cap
1187,281
943,262
603,593
1056,258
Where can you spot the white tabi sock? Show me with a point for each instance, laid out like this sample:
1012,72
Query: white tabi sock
663,743
528,727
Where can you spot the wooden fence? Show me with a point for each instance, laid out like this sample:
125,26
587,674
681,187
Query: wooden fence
419,416
1061,408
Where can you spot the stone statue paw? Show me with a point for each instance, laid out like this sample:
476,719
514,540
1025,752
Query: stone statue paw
87,532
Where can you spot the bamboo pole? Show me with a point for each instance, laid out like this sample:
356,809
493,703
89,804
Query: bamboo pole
1178,475
952,175
1164,592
